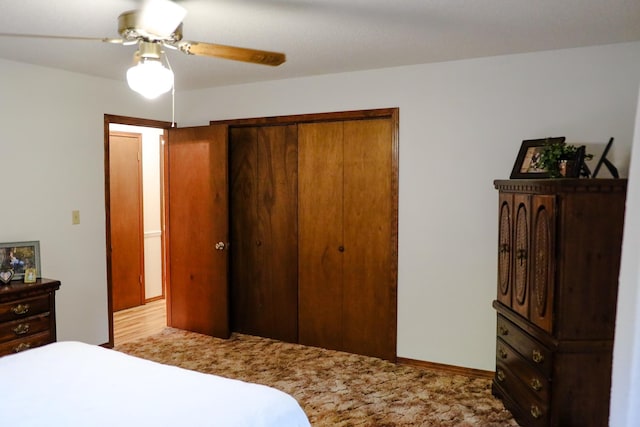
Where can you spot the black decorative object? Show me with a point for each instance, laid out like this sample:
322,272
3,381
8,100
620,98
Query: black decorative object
603,160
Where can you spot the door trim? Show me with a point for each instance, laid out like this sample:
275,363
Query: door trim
108,119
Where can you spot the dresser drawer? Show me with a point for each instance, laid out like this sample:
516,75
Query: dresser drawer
24,327
528,409
21,344
529,348
24,308
529,375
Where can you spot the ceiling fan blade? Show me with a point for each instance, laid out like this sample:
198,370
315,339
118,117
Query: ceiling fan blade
43,36
254,56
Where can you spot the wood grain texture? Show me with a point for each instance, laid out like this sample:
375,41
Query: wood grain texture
264,274
197,220
277,215
139,322
320,219
554,349
127,245
369,288
348,224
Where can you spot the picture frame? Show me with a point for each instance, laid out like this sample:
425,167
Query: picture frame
525,165
604,161
20,256
30,275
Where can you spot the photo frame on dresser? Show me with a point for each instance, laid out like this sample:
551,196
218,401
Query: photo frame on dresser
604,161
20,256
526,165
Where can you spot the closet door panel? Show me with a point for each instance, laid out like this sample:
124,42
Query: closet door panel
369,281
246,297
277,237
320,217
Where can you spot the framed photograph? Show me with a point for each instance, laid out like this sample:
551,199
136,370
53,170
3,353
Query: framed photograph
30,275
526,165
20,256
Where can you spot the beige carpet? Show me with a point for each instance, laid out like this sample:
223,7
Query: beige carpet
334,388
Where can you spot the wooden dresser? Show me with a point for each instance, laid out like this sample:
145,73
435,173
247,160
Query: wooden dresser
27,315
558,263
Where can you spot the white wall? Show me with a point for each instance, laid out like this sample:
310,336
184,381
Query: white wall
52,162
461,124
625,392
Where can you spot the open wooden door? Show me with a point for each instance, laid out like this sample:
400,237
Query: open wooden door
197,229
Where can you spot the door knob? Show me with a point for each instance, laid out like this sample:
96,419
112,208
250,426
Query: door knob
220,246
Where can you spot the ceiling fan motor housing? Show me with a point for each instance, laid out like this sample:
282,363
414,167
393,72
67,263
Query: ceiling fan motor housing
129,29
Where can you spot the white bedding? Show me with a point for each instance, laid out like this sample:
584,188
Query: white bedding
74,384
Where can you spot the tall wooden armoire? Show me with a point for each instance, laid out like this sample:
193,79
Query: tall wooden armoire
558,263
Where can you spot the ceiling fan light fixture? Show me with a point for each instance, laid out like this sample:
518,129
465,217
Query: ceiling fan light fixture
150,78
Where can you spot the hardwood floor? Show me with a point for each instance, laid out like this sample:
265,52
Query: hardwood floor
139,322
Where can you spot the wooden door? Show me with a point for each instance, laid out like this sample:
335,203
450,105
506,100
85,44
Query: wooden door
505,248
542,278
247,300
369,285
197,222
125,204
321,245
264,231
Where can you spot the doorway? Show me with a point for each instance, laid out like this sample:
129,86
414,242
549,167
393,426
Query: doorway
134,156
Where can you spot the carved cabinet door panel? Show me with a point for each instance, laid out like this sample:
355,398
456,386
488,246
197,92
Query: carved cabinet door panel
505,248
520,291
542,276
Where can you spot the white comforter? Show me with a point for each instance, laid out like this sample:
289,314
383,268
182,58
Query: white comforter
74,384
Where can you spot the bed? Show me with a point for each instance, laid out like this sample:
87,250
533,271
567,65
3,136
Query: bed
76,384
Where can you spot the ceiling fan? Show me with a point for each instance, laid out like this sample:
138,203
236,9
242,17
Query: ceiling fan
158,25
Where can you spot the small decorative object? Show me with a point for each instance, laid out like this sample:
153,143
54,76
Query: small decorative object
19,256
603,160
563,160
30,275
6,275
527,163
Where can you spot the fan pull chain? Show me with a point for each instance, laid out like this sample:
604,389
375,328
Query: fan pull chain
173,93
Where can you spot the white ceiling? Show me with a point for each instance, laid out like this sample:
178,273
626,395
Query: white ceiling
318,36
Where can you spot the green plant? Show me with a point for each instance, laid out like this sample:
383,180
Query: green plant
554,153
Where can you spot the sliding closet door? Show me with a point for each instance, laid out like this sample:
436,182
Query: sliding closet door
369,283
197,197
321,250
264,251
348,236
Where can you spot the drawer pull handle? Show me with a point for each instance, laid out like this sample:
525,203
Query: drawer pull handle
535,412
21,329
21,309
536,384
501,375
503,330
537,356
503,353
22,347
